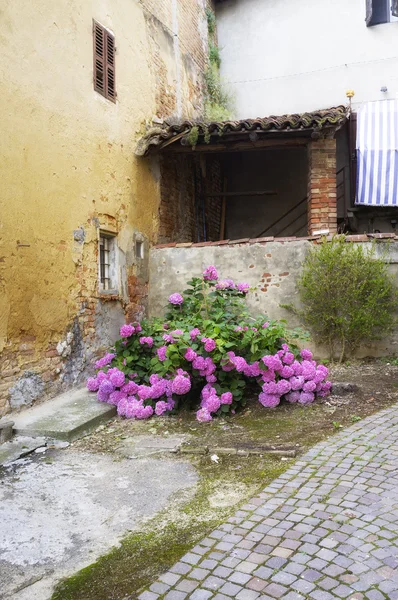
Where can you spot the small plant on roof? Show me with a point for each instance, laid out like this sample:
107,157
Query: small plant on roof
207,348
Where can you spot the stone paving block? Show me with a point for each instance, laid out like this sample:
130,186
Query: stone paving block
247,595
159,587
231,589
213,582
169,578
199,574
175,595
187,585
200,594
275,590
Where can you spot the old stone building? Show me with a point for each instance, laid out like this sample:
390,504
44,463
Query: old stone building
79,210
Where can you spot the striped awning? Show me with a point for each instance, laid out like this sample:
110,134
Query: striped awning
377,154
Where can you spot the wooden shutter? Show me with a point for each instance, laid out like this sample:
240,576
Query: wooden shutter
110,66
394,8
104,62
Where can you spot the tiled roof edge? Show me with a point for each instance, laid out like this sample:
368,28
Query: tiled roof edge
315,238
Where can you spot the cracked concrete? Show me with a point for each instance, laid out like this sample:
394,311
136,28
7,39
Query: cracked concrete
61,510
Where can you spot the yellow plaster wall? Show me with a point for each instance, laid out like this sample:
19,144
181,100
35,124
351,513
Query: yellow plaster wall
67,158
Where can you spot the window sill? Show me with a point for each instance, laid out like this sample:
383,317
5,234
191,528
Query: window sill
109,295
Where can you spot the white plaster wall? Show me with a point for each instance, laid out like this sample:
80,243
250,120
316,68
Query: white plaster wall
283,56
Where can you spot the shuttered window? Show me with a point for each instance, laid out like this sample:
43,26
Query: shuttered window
104,62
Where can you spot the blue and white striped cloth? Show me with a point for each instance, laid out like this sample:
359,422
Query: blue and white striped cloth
377,154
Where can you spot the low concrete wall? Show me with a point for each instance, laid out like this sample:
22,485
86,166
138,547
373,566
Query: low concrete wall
271,267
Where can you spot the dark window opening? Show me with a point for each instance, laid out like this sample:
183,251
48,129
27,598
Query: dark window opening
377,12
104,62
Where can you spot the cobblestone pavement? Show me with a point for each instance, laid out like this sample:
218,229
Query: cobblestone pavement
326,528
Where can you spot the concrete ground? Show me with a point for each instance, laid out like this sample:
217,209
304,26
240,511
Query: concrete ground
327,528
61,509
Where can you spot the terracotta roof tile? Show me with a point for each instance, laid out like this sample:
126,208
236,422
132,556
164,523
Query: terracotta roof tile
330,118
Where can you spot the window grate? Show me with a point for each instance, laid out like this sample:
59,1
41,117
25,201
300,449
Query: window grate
104,62
104,260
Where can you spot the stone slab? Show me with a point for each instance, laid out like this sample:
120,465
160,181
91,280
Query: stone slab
18,447
66,417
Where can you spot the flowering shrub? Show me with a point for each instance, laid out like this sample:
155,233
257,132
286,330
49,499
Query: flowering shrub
210,348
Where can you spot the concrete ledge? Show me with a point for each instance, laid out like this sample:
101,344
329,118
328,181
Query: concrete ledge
66,417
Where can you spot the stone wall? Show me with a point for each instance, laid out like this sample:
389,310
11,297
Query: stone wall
270,265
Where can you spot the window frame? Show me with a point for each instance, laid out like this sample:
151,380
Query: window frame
104,59
112,272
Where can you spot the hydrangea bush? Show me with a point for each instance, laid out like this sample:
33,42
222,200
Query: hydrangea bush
209,348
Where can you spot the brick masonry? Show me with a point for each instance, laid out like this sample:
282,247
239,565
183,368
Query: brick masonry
185,212
324,530
322,196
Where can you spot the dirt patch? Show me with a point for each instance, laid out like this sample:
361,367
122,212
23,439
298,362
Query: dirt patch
286,425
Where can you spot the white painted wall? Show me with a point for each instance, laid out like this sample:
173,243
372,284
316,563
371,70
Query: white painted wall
283,56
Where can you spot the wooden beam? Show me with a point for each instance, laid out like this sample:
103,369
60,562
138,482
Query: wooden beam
232,194
223,210
237,146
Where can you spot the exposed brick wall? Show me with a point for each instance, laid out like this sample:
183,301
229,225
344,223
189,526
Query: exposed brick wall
322,197
193,50
185,213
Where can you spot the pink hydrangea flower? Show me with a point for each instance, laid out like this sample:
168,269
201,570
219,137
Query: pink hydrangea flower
116,397
292,397
176,299
269,400
181,385
210,274
306,398
266,324
270,387
93,384
272,362
243,287
104,361
127,331
308,370
225,284
226,398
161,352
283,387
168,338
161,407
194,333
213,403
211,378
117,378
146,340
287,372
306,354
203,415
309,386
288,358
190,355
130,388
210,344
199,363
297,382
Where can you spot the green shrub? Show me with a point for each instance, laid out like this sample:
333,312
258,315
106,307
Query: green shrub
347,294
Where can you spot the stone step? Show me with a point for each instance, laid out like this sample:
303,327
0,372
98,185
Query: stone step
66,417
